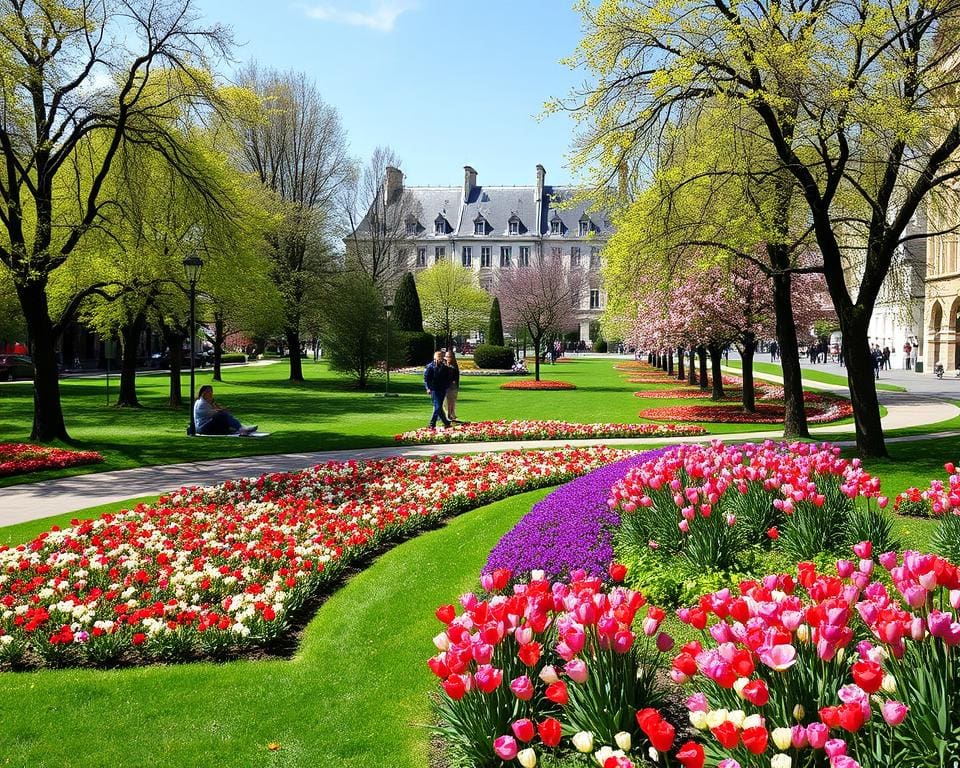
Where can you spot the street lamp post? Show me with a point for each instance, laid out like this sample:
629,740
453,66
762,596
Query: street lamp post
386,390
192,266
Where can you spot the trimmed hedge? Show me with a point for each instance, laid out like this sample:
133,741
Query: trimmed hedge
600,346
412,348
493,356
233,357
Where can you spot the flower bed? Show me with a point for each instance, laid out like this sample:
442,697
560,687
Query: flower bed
543,384
468,371
570,529
19,458
213,571
820,409
484,431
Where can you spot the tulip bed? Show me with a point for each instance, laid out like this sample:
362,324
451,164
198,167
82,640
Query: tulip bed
820,409
208,572
20,458
541,430
844,665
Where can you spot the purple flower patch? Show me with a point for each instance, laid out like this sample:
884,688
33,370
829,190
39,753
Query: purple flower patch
571,528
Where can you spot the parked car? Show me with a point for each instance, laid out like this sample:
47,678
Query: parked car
15,367
162,359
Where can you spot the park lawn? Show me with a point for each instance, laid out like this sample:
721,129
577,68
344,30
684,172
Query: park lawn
811,375
355,693
323,413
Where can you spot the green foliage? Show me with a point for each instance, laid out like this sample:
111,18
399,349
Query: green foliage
407,315
413,347
812,529
353,326
233,357
600,346
491,356
946,537
874,525
495,328
452,300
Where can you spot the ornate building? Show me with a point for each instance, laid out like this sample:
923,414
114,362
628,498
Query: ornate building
941,309
491,228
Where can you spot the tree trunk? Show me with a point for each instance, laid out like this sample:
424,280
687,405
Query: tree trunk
747,349
863,386
692,368
670,362
716,361
702,354
129,340
293,347
48,421
219,337
173,340
795,418
680,374
649,358
536,357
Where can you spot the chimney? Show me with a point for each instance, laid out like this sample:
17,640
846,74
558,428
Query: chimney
469,181
392,183
538,198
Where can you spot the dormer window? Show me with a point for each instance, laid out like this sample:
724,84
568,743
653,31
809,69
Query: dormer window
480,226
584,226
555,226
514,225
411,225
440,226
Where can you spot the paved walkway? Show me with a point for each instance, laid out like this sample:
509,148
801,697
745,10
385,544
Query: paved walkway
71,494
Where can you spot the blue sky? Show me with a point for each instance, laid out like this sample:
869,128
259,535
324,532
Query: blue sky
445,83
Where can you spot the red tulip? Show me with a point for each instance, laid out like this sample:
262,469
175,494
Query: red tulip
868,675
755,739
446,613
523,729
455,687
756,693
557,693
691,755
617,571
529,653
727,734
658,730
549,731
851,717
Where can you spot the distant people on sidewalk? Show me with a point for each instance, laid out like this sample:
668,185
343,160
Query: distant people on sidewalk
774,351
886,358
436,379
907,361
453,389
877,360
211,418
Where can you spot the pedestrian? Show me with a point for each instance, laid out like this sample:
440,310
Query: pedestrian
907,349
436,379
453,389
886,358
877,360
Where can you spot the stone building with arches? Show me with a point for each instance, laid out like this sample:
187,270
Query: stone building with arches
941,309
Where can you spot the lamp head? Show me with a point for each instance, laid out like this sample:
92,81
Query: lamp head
192,266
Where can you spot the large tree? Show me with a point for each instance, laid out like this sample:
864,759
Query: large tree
452,300
353,325
297,147
855,98
541,299
61,130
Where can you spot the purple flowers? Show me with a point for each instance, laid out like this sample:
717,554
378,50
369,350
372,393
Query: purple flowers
571,528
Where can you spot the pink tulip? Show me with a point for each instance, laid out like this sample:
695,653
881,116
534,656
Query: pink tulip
664,642
698,702
798,737
505,747
835,748
894,711
522,688
576,670
779,657
817,734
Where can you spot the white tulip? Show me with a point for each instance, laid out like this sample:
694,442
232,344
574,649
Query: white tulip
527,757
623,740
583,741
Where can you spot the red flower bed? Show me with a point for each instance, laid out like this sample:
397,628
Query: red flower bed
819,408
544,384
19,458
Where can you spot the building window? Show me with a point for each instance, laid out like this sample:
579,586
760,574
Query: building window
594,258
574,257
524,260
439,253
505,255
485,256
556,252
514,227
421,257
584,227
480,227
555,227
411,226
595,298
466,256
440,227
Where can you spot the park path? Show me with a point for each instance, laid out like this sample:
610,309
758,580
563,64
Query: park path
20,503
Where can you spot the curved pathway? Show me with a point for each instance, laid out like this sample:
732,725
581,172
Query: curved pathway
20,503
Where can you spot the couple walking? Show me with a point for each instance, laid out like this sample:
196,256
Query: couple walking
442,380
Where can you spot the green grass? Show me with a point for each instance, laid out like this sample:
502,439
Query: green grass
811,375
323,413
354,695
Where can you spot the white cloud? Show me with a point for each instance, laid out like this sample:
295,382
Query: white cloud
381,17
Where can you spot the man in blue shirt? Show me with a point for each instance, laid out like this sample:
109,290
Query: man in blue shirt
436,378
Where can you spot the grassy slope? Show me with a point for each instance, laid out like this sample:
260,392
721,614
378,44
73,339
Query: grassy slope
322,413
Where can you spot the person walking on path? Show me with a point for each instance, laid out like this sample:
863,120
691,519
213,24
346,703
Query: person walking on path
886,358
436,379
453,389
877,361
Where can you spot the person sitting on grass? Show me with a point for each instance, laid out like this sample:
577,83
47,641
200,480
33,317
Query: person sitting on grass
210,418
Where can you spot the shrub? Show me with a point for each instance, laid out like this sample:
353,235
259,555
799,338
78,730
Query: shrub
946,538
407,315
493,356
233,357
600,346
413,348
495,329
